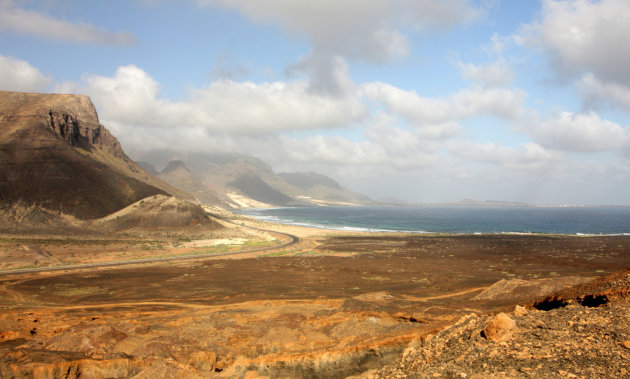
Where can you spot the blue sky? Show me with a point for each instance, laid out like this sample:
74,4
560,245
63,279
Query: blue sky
427,100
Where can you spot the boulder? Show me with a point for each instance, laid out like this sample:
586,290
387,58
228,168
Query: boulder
500,328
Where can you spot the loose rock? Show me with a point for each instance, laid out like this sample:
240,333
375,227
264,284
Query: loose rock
520,311
500,328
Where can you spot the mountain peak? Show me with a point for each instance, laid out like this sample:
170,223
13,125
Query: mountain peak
71,118
57,142
174,165
308,180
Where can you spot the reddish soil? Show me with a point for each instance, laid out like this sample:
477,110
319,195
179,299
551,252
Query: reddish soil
309,314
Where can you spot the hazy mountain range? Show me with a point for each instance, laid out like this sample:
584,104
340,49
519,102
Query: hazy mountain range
55,155
236,180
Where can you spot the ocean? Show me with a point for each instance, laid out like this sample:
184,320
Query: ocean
455,219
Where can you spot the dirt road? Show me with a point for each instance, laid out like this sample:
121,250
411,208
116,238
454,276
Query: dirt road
292,240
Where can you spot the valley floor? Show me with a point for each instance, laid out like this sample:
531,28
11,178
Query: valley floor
335,304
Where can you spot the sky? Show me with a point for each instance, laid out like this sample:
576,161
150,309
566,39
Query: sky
425,101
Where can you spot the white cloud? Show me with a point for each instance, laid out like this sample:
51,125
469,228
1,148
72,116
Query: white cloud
529,156
388,152
332,150
596,92
354,28
584,36
22,21
327,75
498,44
132,97
19,75
369,30
580,132
405,134
491,74
424,112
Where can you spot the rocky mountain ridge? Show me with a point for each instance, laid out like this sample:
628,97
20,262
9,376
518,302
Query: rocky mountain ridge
72,118
54,153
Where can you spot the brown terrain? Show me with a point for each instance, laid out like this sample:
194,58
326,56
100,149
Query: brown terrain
56,155
107,271
580,332
330,306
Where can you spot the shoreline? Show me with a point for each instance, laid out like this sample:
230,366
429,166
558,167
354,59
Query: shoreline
372,231
338,299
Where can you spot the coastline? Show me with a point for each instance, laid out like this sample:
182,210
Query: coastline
336,300
299,217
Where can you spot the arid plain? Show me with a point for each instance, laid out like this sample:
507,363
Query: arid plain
332,304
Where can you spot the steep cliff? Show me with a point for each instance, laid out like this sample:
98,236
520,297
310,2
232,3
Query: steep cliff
54,153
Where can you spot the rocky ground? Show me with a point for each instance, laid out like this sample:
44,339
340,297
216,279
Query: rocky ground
575,339
333,307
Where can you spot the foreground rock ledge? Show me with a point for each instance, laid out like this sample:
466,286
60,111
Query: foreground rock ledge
569,341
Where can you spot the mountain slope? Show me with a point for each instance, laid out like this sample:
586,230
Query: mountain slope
157,211
306,181
177,174
239,177
148,167
322,189
254,187
54,153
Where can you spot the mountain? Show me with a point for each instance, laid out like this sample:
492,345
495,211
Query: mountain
148,167
54,153
310,180
256,188
321,189
179,175
238,180
246,181
157,211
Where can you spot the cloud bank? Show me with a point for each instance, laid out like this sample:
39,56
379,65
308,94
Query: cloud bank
17,20
373,31
490,124
19,75
588,41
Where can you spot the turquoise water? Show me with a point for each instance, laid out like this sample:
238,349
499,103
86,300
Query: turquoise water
556,220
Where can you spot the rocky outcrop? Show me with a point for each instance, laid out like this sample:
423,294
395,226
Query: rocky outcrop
520,289
83,368
499,328
72,118
573,341
84,134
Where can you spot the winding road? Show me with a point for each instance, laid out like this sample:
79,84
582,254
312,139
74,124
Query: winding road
292,241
